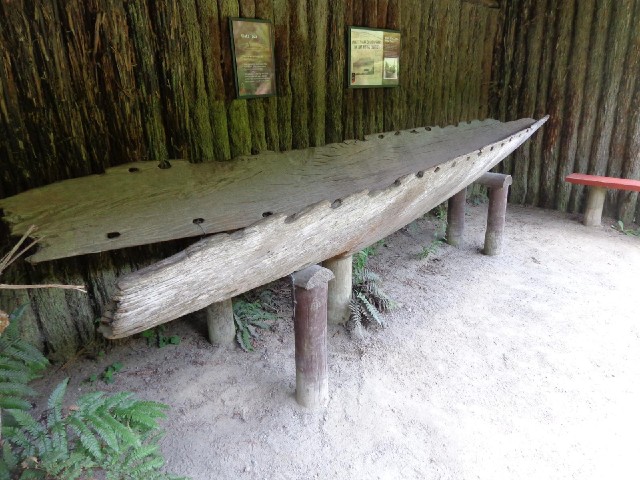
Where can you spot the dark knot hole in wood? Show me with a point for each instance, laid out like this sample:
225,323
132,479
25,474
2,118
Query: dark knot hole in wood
437,169
113,235
336,203
198,221
420,174
267,214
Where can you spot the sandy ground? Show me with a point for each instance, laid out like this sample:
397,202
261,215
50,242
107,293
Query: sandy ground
522,366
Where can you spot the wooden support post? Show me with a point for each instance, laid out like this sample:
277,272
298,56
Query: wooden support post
340,288
595,202
498,190
220,325
495,220
455,218
310,325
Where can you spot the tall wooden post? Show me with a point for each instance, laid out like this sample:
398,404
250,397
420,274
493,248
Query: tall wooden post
455,218
595,202
310,325
220,325
340,288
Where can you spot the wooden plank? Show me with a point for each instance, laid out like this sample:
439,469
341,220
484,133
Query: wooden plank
139,203
225,265
605,182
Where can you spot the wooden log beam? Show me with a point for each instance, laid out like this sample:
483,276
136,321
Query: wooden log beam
225,265
455,218
340,288
495,180
310,326
139,203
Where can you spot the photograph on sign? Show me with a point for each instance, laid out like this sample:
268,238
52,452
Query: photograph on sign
253,58
373,57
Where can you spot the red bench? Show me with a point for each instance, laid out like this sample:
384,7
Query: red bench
597,191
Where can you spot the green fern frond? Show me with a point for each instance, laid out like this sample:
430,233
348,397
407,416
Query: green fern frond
368,301
26,422
54,404
15,389
14,376
86,437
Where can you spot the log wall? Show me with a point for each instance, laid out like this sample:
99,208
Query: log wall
89,84
579,61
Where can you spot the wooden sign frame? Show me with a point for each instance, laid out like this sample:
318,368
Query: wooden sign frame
254,63
373,57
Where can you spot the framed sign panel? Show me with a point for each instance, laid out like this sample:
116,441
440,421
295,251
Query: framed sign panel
253,59
373,57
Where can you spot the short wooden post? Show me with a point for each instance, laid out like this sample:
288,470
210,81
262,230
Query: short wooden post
220,325
498,190
310,325
595,202
455,218
340,288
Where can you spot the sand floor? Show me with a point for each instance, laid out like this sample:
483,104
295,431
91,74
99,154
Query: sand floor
521,366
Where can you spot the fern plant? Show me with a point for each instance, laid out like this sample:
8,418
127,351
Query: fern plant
368,301
115,435
20,363
248,317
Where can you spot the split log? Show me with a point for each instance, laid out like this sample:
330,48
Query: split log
139,203
310,325
225,265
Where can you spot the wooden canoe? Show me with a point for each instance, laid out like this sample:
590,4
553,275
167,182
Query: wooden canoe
354,209
139,203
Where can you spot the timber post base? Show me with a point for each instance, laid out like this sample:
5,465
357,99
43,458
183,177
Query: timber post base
498,191
340,288
595,204
310,326
220,324
455,218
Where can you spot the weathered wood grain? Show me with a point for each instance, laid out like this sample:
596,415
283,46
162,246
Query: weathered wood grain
225,265
139,203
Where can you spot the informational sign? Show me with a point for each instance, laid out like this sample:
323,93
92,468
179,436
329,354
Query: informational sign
374,57
253,59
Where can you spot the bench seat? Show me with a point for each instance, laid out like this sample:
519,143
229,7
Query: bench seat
597,192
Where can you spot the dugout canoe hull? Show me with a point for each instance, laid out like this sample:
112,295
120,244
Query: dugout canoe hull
225,265
139,203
